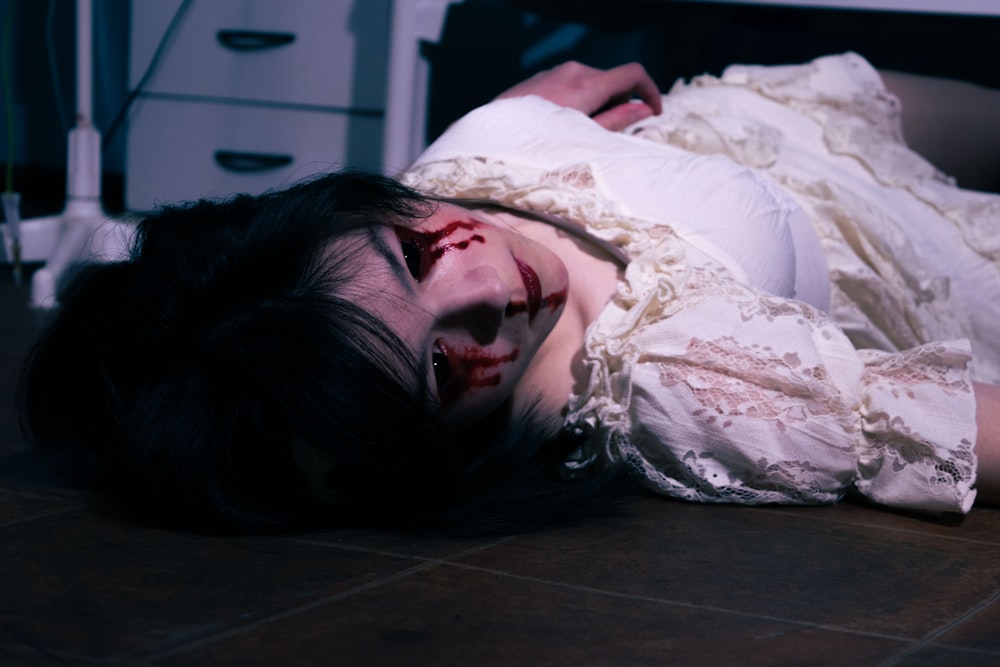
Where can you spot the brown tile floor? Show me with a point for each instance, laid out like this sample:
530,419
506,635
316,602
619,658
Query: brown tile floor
668,584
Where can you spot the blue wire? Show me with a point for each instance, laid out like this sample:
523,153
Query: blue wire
153,63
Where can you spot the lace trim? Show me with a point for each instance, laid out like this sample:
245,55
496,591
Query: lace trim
570,194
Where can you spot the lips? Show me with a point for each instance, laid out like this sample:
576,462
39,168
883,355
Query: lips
532,286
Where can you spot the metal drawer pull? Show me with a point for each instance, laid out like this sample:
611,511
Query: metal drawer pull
253,40
244,162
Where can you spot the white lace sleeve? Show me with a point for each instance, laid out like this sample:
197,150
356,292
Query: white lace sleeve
720,393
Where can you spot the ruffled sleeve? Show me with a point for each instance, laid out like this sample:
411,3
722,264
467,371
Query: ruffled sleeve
718,393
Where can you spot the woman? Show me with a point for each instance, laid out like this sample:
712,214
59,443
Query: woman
351,348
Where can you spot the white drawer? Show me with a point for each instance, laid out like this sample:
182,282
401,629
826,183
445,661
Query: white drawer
316,52
179,151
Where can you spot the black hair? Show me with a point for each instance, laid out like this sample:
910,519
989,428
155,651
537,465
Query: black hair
179,379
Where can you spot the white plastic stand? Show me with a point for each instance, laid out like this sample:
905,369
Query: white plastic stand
83,230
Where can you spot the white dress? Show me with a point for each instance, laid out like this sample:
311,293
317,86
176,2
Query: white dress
805,301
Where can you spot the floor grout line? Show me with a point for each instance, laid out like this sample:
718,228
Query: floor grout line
691,605
930,639
232,632
396,554
876,527
426,563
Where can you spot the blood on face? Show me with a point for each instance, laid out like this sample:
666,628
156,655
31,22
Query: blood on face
433,244
552,301
473,368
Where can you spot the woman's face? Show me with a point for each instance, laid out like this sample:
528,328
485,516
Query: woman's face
472,301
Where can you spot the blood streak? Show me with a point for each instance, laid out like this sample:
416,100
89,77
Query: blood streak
552,301
532,288
432,243
475,368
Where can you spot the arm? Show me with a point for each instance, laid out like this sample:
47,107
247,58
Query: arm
988,442
606,96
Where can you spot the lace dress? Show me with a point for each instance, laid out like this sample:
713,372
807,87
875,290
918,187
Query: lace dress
805,300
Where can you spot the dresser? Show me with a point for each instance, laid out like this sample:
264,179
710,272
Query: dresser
248,95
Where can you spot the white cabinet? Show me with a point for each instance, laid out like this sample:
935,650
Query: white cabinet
253,94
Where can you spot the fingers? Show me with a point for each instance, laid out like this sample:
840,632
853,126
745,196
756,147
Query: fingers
618,118
606,95
634,79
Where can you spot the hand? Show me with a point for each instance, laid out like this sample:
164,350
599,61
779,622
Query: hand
606,96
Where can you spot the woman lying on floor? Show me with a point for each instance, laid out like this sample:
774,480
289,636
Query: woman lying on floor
749,290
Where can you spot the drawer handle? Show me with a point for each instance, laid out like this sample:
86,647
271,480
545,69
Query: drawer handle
244,162
253,40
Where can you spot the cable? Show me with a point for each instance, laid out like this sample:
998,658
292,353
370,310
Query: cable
150,69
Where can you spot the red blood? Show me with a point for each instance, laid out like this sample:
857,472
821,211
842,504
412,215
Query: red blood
430,242
474,368
532,286
552,301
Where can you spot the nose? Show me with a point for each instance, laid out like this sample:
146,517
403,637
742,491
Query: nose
477,304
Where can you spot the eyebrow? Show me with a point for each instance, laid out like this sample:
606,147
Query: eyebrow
392,259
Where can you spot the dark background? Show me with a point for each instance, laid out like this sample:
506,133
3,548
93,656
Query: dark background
488,45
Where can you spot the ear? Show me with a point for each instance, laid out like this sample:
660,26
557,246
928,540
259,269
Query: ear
315,466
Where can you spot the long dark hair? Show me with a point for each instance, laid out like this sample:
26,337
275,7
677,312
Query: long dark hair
180,379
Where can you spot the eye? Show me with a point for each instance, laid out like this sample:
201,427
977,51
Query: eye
413,256
414,247
442,369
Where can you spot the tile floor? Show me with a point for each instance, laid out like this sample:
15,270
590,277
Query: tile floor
668,584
